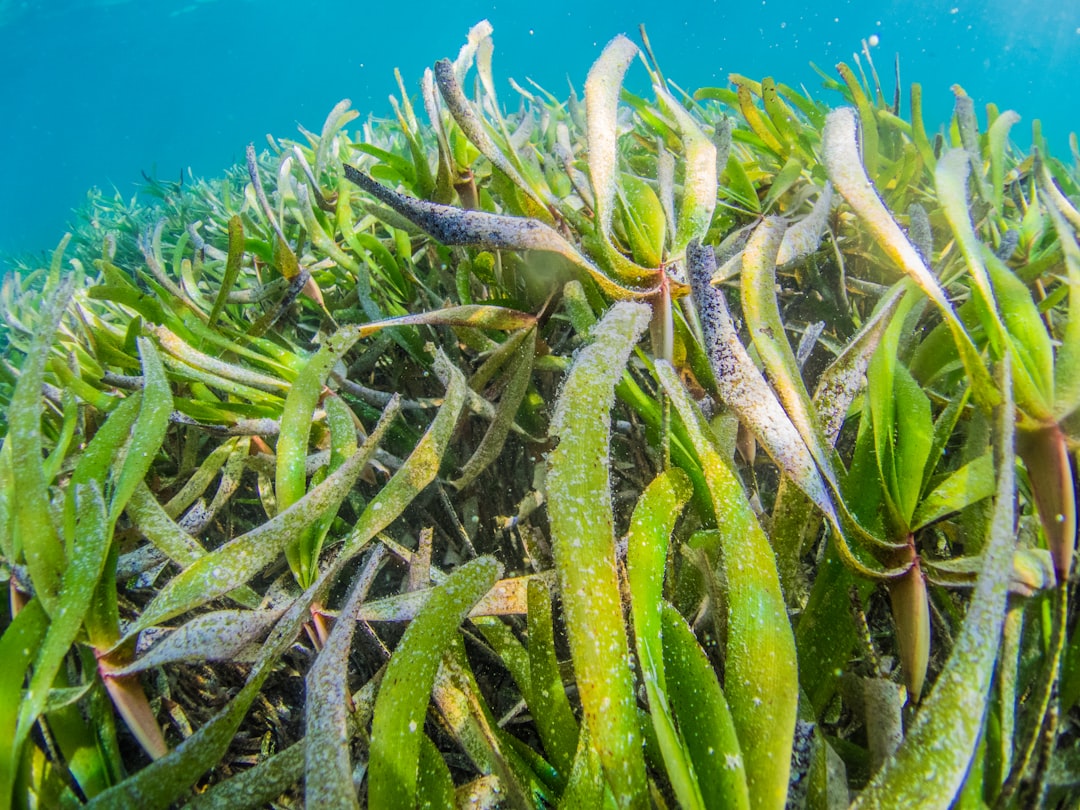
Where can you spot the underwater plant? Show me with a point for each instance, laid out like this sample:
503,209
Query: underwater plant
418,465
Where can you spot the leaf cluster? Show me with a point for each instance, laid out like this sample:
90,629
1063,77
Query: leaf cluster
714,450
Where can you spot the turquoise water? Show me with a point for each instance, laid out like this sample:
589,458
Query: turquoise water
96,92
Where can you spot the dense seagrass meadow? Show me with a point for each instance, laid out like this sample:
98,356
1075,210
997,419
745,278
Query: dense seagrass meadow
713,449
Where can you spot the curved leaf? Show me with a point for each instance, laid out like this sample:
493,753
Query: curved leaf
841,158
236,562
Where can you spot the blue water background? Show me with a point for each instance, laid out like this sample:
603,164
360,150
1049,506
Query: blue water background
94,92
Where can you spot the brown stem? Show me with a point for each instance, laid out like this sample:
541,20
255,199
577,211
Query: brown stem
1046,455
911,614
129,698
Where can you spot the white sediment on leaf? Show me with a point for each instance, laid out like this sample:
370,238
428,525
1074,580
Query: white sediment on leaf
601,105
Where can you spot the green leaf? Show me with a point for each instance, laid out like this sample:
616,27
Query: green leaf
587,789
826,633
398,724
161,783
841,382
58,454
435,784
784,179
997,138
555,721
741,385
837,388
967,485
745,391
914,438
7,498
292,446
475,316
154,523
761,126
646,558
583,541
99,456
232,266
704,717
36,536
739,186
867,119
236,562
643,216
419,469
841,158
402,165
19,645
212,368
1004,306
92,536
767,331
495,437
944,426
469,718
255,787
760,664
148,432
506,645
699,170
329,781
1032,349
201,479
928,769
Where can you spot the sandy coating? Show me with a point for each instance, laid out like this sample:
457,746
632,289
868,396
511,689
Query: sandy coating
470,124
844,379
743,388
221,635
456,226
